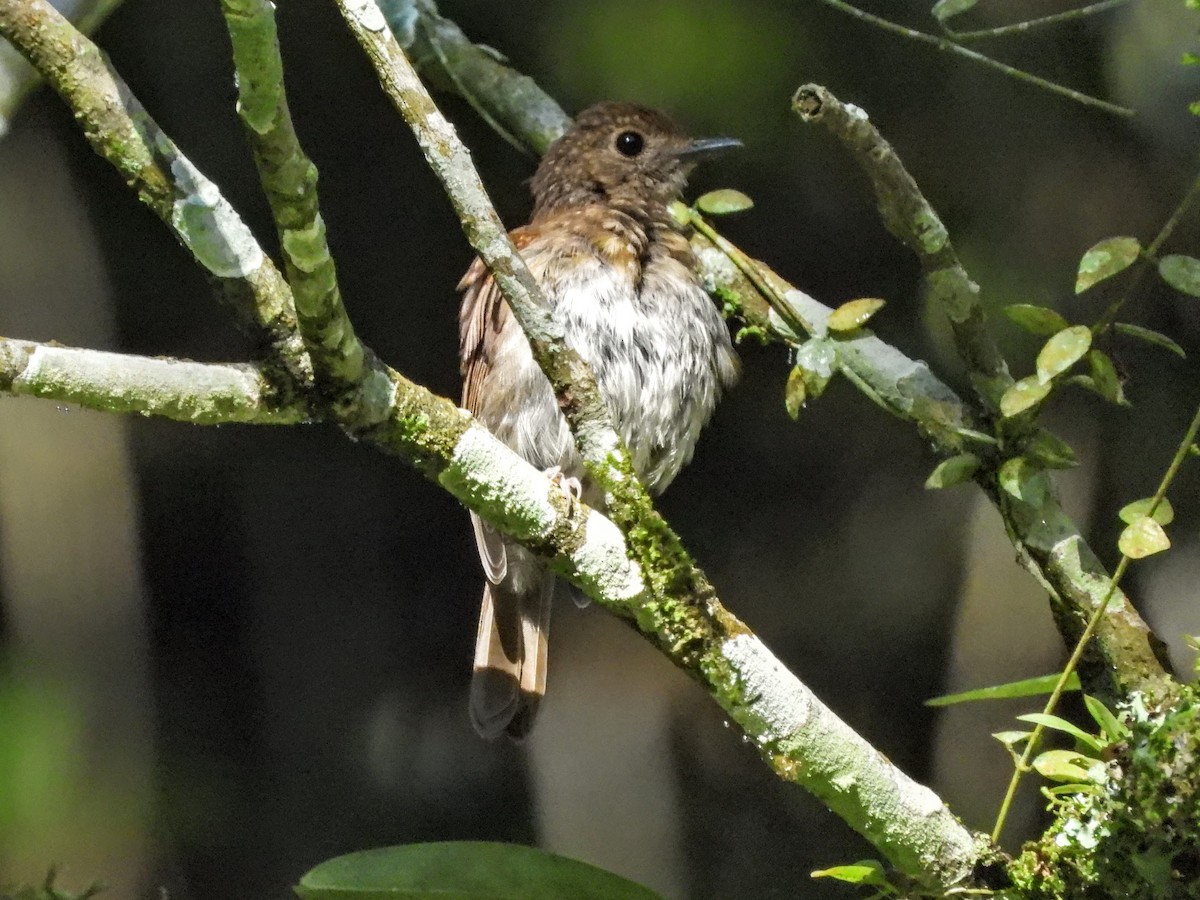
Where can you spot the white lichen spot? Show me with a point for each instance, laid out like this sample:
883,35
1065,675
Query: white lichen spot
603,560
306,246
482,468
367,14
780,700
856,112
205,221
920,799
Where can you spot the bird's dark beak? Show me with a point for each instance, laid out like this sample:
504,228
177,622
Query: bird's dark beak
703,148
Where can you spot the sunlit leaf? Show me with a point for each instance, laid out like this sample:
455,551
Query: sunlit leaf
1060,724
1063,350
945,9
1025,394
816,359
952,471
795,393
1036,319
679,212
1064,765
1105,260
1181,273
1114,729
1026,687
1143,537
1164,513
724,201
865,871
1050,451
1150,337
1072,788
1105,380
464,869
854,314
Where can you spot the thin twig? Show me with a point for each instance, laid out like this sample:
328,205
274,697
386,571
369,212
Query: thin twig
949,46
1031,24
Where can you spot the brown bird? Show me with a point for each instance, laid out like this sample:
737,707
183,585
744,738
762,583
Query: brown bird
618,273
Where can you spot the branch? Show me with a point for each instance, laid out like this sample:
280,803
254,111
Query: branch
199,393
120,130
1069,15
289,180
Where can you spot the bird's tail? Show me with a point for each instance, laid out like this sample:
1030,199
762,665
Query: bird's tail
509,679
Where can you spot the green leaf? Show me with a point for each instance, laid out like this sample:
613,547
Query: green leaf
1060,724
1105,260
952,471
723,202
945,9
1164,513
1025,394
865,871
1064,765
1150,337
1022,478
854,314
1143,537
1026,687
1181,273
679,212
1011,738
1063,350
1114,729
464,870
817,360
795,393
1105,380
1036,319
1050,451
1071,788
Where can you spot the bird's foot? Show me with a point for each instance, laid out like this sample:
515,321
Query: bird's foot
570,486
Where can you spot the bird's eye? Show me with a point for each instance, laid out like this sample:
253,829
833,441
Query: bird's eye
630,143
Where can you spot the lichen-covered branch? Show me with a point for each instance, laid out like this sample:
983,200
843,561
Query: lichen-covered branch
801,739
912,220
186,391
289,180
120,130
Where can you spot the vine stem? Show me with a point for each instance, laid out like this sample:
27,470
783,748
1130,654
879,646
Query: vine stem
1030,24
1022,766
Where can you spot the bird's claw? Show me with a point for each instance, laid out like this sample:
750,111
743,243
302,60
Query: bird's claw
570,486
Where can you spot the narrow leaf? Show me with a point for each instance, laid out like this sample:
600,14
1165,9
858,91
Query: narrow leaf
1025,394
1164,513
723,202
1036,319
464,869
1060,724
1073,788
795,393
1150,337
1027,687
1143,537
945,9
1181,273
1064,765
854,314
952,471
1105,260
1011,738
1114,729
865,871
1063,350
1105,380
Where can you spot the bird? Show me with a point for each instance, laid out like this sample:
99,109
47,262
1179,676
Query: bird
617,270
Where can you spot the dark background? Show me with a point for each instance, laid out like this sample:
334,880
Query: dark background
234,652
